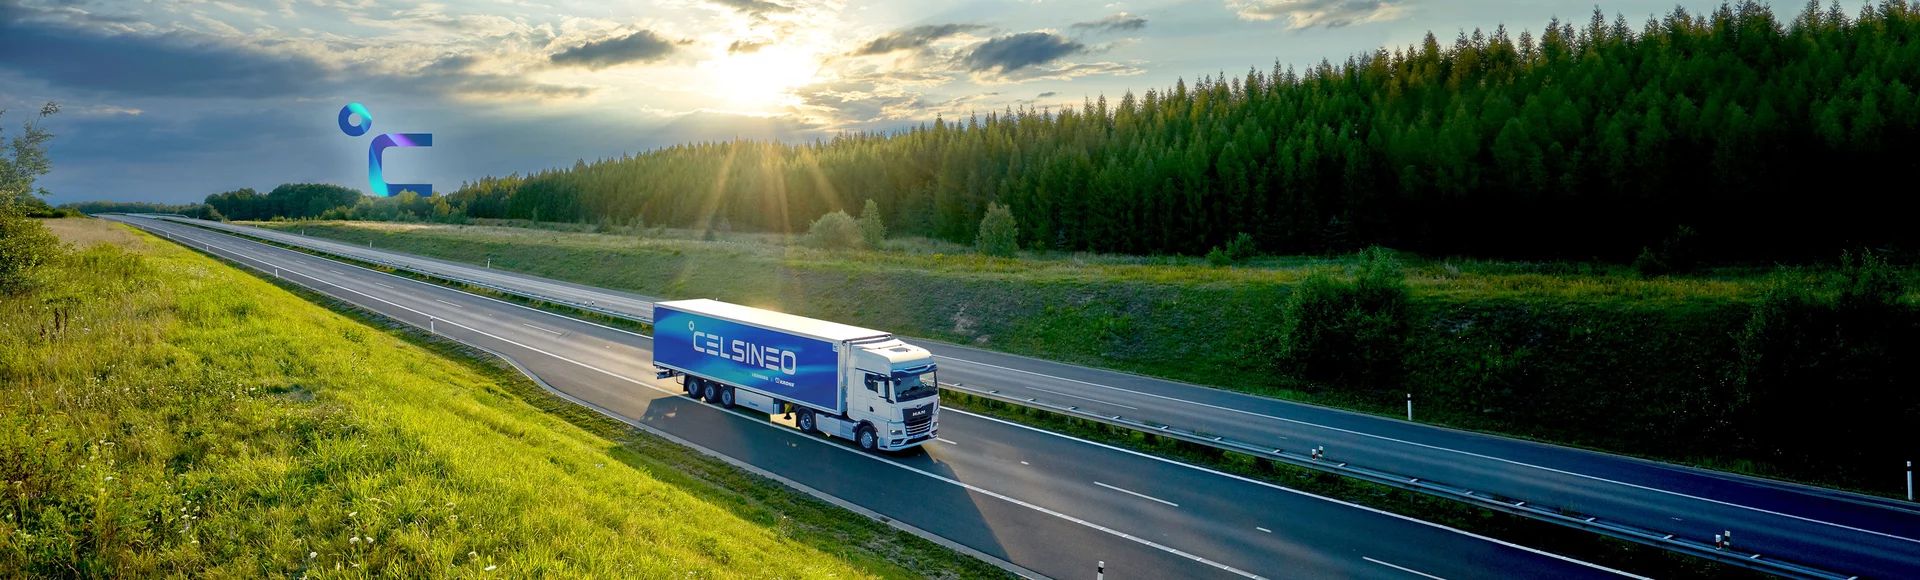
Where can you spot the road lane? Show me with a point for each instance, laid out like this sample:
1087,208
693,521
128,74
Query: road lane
1012,492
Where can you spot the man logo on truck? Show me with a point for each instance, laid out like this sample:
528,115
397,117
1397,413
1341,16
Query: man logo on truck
767,357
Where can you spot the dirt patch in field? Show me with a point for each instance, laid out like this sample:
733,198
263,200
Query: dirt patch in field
84,232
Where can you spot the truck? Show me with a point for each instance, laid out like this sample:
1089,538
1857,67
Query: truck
855,383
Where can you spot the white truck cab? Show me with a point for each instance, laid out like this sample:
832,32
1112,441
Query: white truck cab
896,390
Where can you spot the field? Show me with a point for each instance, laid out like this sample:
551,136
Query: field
165,414
1583,354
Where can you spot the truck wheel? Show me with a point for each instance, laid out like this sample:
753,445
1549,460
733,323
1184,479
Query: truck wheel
710,392
693,387
867,438
726,397
805,422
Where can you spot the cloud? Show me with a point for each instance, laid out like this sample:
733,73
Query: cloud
1010,53
1045,95
1115,23
912,38
1311,13
178,63
747,46
757,9
642,46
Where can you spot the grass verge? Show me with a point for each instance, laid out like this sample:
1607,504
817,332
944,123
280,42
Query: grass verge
166,414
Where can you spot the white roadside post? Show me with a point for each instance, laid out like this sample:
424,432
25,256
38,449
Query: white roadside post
1909,481
430,329
1100,572
1409,406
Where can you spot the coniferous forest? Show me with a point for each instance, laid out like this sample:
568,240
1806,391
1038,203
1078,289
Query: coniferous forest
1767,138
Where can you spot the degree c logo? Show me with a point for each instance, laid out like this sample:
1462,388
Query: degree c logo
377,184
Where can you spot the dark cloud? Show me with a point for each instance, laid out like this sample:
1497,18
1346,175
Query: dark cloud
1014,52
642,46
758,9
912,38
1045,95
33,43
1311,13
1115,23
747,46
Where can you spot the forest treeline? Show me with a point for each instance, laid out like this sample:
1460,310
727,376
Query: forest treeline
1767,139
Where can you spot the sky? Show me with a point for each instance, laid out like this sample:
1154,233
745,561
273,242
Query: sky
172,100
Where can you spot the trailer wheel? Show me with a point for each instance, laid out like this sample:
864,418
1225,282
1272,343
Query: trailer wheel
867,438
692,385
726,397
805,422
710,392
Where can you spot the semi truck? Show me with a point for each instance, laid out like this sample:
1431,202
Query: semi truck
854,383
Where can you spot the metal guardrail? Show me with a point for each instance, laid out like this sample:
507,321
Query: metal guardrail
1751,560
432,274
1744,559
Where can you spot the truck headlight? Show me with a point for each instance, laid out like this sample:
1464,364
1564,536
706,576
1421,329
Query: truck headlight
895,432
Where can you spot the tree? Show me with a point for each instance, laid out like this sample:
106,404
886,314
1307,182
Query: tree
872,229
25,243
834,231
999,232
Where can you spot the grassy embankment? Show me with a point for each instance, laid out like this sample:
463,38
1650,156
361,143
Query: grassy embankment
1582,354
166,414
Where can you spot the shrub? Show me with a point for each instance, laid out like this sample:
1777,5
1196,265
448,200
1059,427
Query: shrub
872,229
1347,332
1678,254
1240,249
999,232
25,244
836,230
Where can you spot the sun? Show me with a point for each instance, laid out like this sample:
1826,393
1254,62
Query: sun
761,81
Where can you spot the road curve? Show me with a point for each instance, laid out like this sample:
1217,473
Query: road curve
1844,532
1047,503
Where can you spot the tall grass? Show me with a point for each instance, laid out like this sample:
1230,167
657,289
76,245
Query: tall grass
164,414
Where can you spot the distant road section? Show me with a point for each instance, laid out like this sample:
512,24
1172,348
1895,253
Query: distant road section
1039,502
1838,531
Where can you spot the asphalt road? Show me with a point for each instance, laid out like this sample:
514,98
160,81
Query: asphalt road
1843,532
1051,504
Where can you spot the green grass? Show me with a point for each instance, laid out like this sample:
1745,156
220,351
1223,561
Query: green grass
166,414
1581,545
1581,354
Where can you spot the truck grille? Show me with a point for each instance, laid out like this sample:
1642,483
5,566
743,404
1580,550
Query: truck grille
919,420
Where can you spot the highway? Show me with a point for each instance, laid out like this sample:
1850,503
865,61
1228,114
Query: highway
1031,500
1838,531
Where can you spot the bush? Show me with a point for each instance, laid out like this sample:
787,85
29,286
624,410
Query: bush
1825,376
872,230
836,230
1239,250
1347,333
1678,254
25,244
999,232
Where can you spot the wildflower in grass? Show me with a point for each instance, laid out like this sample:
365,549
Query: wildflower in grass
490,568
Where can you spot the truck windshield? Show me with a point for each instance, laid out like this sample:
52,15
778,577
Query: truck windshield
918,386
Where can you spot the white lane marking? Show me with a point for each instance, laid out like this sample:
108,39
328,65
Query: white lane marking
1023,462
1302,493
1136,494
1439,448
1403,569
944,440
1081,398
553,332
385,286
1263,529
448,303
336,271
968,486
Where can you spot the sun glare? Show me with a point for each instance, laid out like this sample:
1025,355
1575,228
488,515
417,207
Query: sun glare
761,81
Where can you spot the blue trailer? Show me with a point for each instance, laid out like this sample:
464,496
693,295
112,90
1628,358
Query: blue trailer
861,384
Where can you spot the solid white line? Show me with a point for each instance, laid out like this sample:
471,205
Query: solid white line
1263,529
555,333
962,484
448,303
1136,494
1402,569
944,440
1439,448
1081,398
1298,492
